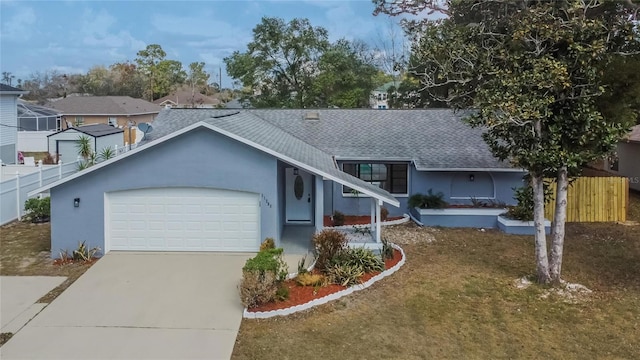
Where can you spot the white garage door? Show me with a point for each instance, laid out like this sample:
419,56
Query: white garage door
182,219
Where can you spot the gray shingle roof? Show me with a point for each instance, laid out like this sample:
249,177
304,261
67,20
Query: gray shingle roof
11,89
95,130
185,97
253,129
104,105
432,138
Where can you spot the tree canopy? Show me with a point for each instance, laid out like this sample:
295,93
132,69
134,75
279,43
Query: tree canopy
293,65
534,73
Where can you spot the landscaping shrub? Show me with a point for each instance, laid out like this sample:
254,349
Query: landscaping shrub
338,218
257,289
261,277
387,251
282,293
308,279
384,213
523,211
428,201
327,244
267,244
83,253
265,261
301,265
345,275
363,258
38,210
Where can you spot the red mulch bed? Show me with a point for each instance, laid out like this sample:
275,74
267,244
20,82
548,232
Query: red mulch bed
357,220
299,295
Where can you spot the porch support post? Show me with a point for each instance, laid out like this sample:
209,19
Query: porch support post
319,203
378,229
373,214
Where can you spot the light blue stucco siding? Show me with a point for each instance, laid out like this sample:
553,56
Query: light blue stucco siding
200,158
456,187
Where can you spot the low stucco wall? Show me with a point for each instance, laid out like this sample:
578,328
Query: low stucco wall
517,227
467,218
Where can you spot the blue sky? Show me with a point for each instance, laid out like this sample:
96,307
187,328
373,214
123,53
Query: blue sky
72,36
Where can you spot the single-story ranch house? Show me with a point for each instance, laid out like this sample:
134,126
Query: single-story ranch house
224,180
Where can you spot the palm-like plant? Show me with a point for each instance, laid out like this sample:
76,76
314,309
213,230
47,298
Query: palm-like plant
83,144
107,153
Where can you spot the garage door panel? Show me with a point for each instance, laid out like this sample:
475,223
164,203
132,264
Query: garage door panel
183,219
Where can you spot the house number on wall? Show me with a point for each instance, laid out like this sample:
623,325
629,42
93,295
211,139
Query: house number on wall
298,187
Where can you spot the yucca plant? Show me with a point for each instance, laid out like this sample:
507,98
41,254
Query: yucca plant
107,153
83,144
345,275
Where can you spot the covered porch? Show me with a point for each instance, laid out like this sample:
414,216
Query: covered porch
301,206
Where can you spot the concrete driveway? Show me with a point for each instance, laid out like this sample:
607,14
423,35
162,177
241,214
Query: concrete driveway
141,305
18,296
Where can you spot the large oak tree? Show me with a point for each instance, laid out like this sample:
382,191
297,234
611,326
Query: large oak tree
533,72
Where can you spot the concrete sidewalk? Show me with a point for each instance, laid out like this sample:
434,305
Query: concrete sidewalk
141,305
18,296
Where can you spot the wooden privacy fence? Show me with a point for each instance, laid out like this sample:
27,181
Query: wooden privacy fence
594,199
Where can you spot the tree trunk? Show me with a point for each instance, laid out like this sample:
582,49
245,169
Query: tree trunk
542,261
559,220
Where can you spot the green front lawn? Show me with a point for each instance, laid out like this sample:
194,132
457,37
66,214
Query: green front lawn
456,298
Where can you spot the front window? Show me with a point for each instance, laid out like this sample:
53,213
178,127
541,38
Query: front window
112,121
391,177
79,121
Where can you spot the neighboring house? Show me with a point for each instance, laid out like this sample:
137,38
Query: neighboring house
379,97
626,161
118,111
64,144
35,123
9,123
223,180
185,98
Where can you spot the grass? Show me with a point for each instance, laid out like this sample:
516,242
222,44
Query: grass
25,250
633,214
455,298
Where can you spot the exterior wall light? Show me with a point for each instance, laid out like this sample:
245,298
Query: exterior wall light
295,171
76,202
472,178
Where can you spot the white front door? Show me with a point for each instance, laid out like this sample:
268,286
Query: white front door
299,196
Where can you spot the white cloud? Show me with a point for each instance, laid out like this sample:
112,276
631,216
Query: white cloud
201,30
19,27
96,30
342,21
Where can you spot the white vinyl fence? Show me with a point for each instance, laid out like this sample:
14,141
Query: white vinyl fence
13,192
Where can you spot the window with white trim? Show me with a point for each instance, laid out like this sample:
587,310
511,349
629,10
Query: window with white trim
388,176
79,121
112,121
